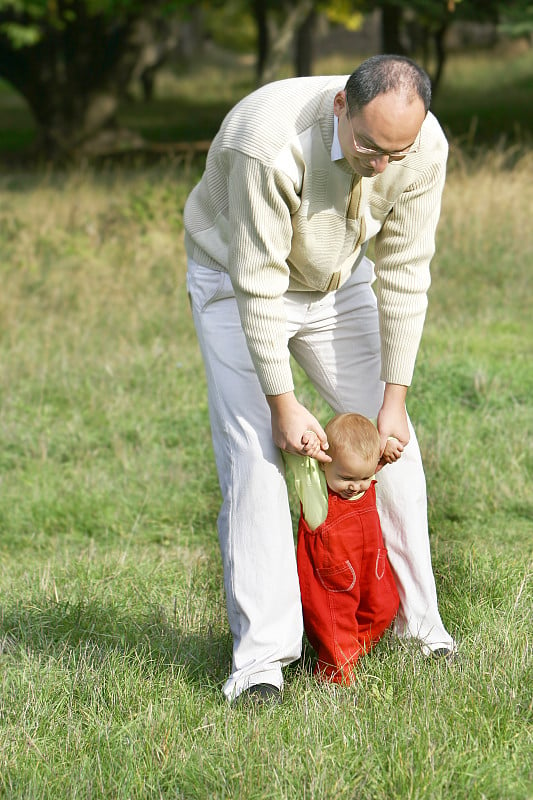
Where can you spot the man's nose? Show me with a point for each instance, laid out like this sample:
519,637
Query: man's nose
379,163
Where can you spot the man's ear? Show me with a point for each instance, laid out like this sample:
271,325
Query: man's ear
339,103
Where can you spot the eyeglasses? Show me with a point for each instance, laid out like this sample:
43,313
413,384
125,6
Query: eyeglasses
369,152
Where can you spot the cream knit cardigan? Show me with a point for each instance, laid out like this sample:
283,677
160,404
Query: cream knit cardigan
277,213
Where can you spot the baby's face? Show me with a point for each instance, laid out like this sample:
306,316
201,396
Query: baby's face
349,474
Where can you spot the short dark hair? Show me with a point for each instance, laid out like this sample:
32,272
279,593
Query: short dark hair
387,73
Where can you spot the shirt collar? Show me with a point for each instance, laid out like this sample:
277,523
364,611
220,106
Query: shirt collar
336,150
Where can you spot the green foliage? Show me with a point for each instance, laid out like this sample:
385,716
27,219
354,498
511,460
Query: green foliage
342,12
230,24
20,35
57,10
25,22
517,19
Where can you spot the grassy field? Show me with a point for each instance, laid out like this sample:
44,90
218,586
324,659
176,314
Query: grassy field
113,636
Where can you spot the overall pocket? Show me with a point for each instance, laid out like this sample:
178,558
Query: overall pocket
340,578
381,563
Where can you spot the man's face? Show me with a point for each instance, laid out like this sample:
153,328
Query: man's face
388,126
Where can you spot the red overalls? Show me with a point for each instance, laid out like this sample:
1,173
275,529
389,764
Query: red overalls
349,596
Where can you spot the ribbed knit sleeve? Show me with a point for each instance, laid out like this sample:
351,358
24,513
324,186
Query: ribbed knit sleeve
404,248
261,201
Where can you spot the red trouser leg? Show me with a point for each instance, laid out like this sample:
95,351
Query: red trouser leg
348,593
330,598
379,599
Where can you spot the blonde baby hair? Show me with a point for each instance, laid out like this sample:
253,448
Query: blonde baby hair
352,432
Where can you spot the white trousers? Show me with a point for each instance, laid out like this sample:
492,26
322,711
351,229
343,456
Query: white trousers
335,338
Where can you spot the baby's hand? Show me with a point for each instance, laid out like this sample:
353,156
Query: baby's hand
392,452
311,444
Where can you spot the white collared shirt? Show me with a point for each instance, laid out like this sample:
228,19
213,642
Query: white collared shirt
336,150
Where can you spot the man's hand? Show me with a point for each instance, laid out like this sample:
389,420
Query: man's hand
294,429
392,424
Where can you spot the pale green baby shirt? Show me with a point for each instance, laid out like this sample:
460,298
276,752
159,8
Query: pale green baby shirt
311,488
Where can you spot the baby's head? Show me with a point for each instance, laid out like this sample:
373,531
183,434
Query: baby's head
354,448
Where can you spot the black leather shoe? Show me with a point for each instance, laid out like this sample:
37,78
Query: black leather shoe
259,694
445,653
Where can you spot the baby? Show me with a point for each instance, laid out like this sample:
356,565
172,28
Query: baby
349,596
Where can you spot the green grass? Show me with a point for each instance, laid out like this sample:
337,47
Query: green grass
114,642
113,636
485,99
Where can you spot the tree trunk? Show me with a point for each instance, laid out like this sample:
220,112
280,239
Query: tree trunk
285,36
74,78
263,37
303,56
391,20
440,56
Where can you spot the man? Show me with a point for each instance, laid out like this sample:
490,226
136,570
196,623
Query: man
301,176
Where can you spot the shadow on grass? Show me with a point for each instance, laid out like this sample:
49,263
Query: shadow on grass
100,635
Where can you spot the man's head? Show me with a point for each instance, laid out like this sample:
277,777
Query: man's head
354,448
387,73
381,111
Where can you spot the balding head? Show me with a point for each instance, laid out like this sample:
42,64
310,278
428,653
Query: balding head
384,74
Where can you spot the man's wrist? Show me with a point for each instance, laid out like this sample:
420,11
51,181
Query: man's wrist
395,394
280,402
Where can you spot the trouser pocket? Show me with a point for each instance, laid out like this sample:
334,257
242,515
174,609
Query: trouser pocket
206,286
